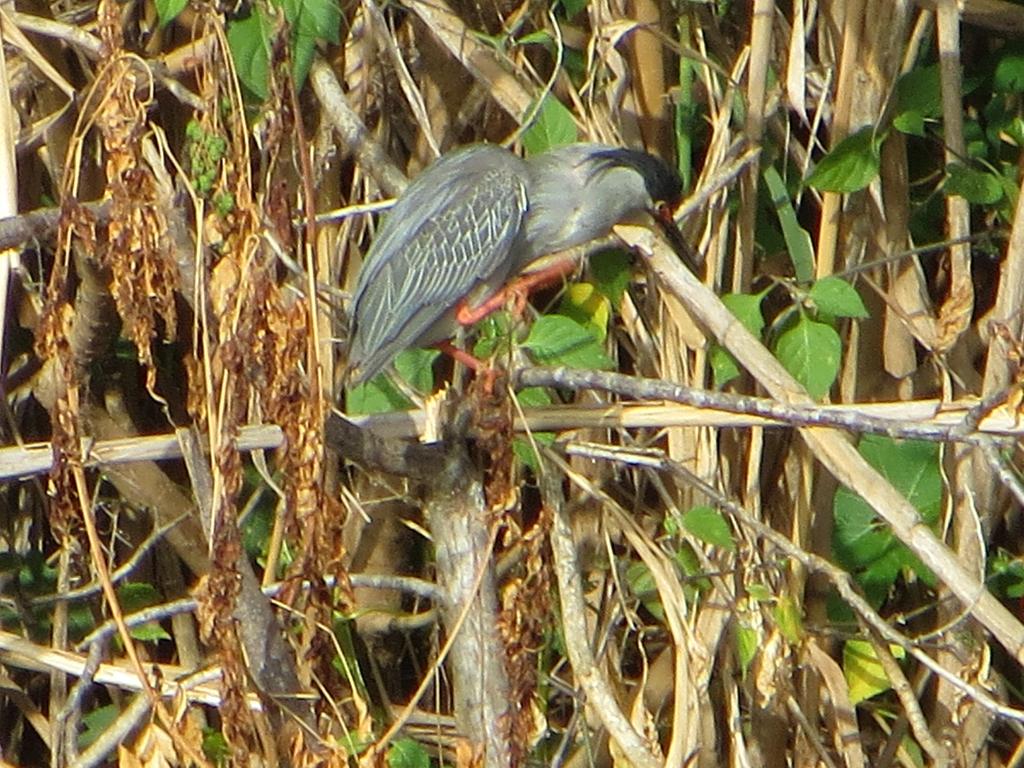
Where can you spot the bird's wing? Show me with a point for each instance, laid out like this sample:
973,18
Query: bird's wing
453,229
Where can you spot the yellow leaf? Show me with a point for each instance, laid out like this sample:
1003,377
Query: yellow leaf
587,306
863,671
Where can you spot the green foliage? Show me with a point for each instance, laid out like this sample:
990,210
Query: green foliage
809,346
95,723
407,753
1008,72
864,674
381,395
223,203
216,747
134,596
560,340
862,543
788,619
532,397
918,99
308,21
35,577
851,165
168,10
249,41
690,566
798,240
612,271
976,186
642,585
589,307
747,309
347,665
748,640
835,297
572,8
204,151
811,351
257,526
987,176
552,126
708,525
494,335
803,337
1006,575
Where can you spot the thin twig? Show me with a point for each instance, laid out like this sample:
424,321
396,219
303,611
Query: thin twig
574,628
842,581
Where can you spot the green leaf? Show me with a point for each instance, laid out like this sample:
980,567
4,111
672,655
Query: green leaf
911,123
538,37
642,584
381,395
134,596
976,186
692,568
1008,76
150,632
96,722
588,307
247,39
798,241
552,127
216,747
407,753
710,526
920,92
378,395
416,367
257,527
865,545
762,593
573,8
811,351
168,10
864,674
1006,575
834,296
747,308
612,270
532,397
310,21
724,367
748,640
524,449
851,165
494,335
321,19
790,622
559,340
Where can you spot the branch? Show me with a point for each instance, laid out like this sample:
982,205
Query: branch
829,447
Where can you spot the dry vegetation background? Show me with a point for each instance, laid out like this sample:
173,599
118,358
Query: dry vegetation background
170,349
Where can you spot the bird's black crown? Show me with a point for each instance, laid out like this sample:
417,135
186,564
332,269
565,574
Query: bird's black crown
662,181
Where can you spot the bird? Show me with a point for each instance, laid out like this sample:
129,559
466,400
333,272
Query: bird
477,217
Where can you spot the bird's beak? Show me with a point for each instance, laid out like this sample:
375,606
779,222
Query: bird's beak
686,252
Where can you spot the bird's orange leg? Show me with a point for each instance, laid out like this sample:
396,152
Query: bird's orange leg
461,355
517,291
484,372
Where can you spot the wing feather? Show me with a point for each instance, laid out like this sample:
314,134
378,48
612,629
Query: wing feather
455,228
